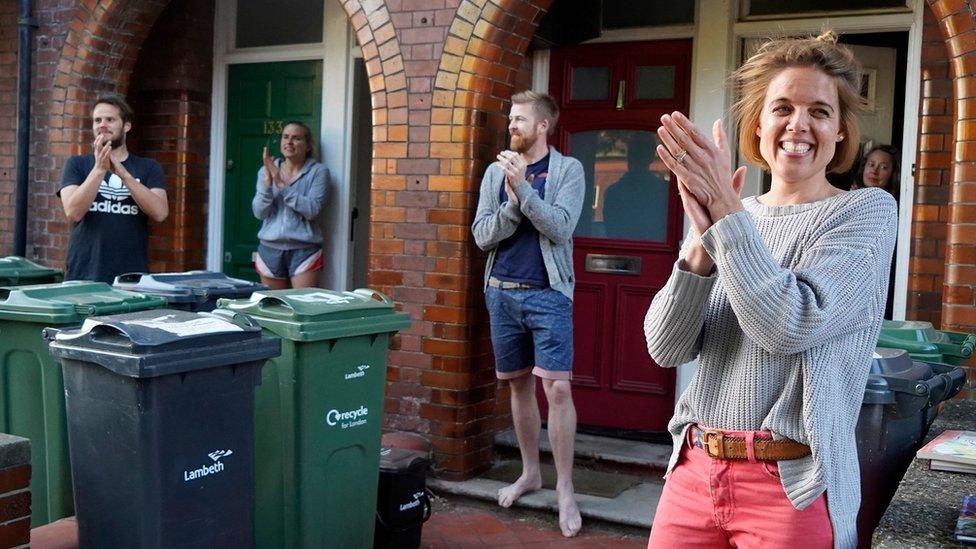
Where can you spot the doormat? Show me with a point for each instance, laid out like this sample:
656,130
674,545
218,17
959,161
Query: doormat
585,481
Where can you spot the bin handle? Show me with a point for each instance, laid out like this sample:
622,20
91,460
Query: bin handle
373,294
267,301
233,317
90,310
129,277
945,385
97,334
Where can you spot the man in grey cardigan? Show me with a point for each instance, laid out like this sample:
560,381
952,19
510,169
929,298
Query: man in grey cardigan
528,207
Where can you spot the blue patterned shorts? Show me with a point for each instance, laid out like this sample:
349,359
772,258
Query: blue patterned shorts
531,330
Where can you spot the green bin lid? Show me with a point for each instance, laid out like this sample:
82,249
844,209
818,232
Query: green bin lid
313,314
911,330
15,270
70,302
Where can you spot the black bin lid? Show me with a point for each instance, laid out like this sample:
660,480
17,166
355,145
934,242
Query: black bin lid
164,341
188,286
402,459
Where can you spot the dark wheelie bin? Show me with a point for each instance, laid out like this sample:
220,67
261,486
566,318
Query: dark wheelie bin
319,412
159,426
194,291
402,501
31,387
899,405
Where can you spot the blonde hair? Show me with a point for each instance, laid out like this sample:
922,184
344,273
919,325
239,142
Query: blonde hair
752,79
543,105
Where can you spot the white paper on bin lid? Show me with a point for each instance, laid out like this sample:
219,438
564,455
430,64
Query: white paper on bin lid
197,326
322,297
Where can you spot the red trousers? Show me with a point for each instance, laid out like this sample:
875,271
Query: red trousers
713,503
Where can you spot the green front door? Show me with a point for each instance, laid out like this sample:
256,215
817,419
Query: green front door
261,97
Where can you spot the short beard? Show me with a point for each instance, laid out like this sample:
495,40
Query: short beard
522,143
116,143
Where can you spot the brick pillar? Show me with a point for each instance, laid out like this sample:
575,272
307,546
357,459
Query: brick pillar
956,20
930,210
15,497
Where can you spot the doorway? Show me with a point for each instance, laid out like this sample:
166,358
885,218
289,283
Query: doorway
261,98
612,97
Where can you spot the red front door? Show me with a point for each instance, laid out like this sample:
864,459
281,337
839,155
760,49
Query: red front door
612,97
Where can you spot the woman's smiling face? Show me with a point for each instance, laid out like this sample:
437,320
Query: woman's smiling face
799,127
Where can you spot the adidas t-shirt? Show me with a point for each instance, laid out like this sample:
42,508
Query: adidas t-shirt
112,238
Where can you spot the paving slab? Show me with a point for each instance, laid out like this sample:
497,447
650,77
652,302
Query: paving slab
611,450
633,507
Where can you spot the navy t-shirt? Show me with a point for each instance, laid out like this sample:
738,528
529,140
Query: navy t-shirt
519,257
112,238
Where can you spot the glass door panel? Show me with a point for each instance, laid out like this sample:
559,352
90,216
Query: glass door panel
626,185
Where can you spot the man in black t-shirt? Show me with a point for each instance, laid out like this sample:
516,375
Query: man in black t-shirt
111,195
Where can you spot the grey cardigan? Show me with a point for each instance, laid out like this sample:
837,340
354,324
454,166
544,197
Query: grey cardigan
555,217
289,214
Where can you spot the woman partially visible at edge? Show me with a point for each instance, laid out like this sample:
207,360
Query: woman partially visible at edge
880,167
780,298
289,196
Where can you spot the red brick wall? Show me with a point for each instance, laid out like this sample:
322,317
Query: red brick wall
930,210
8,121
15,496
170,92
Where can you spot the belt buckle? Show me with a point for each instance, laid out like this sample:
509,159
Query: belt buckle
713,443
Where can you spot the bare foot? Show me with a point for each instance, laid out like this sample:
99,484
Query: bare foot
570,521
525,483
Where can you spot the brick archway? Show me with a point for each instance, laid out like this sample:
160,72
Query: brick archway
956,21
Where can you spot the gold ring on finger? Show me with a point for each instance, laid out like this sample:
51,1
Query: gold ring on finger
680,157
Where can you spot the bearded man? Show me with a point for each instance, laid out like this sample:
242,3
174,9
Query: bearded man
110,196
528,207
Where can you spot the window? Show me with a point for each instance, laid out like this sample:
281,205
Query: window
278,22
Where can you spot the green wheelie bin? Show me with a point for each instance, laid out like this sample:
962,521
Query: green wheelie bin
31,381
318,415
17,271
923,342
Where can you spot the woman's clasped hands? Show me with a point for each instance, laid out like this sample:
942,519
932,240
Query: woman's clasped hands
708,188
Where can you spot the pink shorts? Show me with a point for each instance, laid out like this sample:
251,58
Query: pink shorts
711,503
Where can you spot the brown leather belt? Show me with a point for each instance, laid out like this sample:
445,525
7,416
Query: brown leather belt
719,445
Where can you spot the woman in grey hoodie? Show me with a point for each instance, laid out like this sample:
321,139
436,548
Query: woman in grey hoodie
289,196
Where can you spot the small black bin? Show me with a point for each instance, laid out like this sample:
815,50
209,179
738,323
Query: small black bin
900,403
160,406
402,502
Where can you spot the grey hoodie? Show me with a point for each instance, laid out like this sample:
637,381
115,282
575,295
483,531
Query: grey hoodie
289,214
554,217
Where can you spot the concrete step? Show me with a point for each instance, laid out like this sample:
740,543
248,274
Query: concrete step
601,450
632,507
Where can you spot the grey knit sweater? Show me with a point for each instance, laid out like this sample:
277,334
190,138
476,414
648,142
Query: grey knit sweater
784,330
